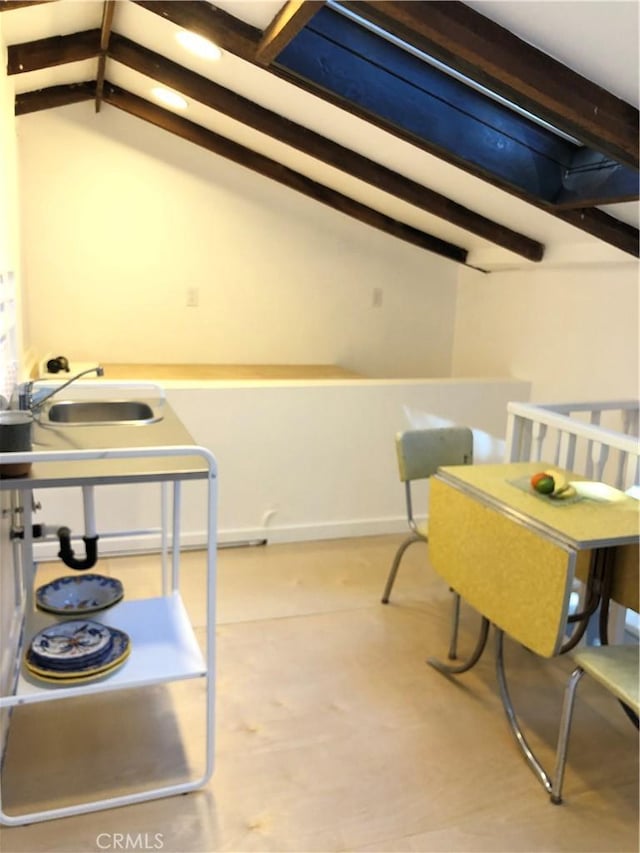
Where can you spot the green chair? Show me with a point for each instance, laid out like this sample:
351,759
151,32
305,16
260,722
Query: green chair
616,669
420,453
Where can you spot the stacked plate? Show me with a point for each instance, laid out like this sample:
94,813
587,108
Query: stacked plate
77,650
77,594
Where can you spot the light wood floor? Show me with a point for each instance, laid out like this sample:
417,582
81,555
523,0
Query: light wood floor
332,733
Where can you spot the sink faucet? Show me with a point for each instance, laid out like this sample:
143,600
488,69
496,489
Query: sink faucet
25,390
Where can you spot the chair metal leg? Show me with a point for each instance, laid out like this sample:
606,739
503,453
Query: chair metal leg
563,735
526,750
455,622
448,669
455,616
414,537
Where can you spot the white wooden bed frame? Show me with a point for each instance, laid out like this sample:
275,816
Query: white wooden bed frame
596,439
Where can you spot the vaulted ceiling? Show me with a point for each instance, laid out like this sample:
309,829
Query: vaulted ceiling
496,134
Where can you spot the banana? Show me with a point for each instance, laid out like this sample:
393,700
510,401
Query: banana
566,492
560,483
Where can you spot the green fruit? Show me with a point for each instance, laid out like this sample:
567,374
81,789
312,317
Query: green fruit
545,485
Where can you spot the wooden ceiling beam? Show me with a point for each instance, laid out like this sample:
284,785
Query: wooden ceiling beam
49,52
54,96
243,41
9,5
241,109
105,34
286,25
268,168
599,224
207,20
490,54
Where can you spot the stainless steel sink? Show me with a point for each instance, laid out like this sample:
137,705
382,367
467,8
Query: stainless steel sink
102,412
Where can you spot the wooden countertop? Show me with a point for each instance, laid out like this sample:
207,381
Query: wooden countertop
227,371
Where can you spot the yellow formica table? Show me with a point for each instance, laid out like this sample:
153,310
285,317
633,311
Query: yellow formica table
513,555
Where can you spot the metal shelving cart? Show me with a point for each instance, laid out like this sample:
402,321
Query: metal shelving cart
164,647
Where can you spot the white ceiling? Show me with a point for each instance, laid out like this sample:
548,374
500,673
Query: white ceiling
597,38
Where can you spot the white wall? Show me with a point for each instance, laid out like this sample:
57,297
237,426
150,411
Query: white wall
8,178
573,333
10,324
295,461
120,219
9,343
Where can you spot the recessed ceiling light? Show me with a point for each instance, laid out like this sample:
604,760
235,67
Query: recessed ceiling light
171,99
199,45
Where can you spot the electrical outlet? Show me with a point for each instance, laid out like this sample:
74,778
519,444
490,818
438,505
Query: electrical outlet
193,297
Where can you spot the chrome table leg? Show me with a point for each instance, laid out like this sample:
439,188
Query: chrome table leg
455,623
533,762
563,735
449,669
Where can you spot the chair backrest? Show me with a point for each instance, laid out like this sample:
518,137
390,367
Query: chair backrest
422,451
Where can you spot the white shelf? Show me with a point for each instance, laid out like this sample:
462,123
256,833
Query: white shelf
163,648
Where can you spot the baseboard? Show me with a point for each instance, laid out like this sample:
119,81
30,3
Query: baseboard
151,542
335,530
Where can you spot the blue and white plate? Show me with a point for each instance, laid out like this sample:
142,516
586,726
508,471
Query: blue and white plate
84,593
77,641
116,655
